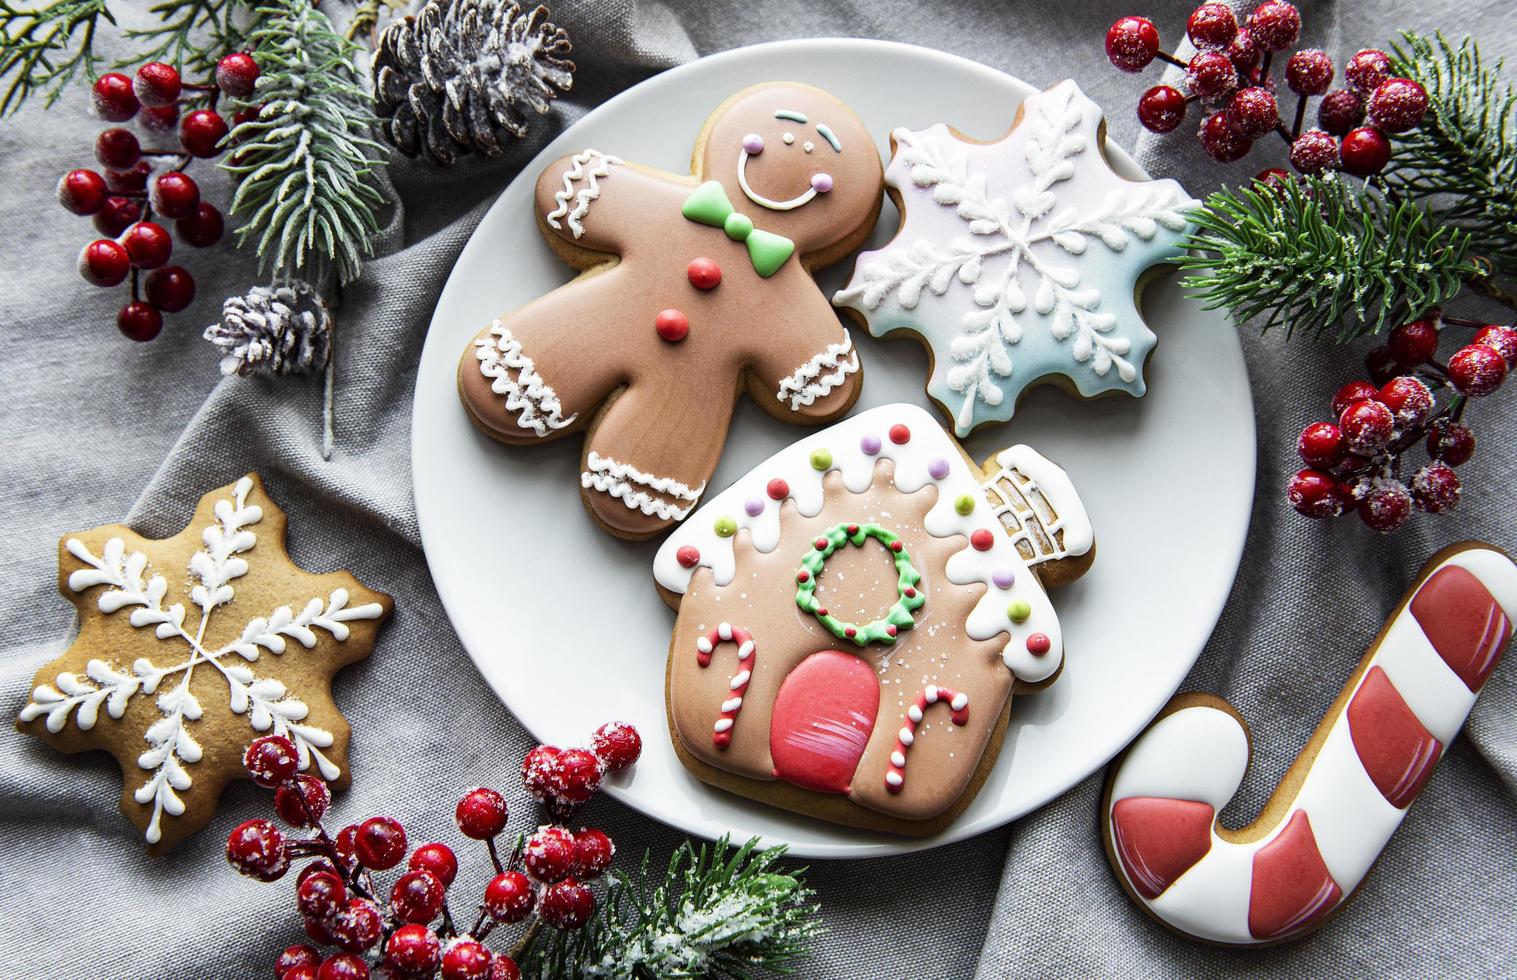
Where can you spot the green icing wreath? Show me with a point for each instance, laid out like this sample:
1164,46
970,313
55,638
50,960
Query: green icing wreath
898,617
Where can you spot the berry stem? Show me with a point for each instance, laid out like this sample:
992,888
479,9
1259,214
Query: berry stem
1269,57
1300,117
1284,133
520,949
1459,321
495,856
1166,56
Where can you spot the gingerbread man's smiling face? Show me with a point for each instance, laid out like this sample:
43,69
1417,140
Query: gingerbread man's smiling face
797,161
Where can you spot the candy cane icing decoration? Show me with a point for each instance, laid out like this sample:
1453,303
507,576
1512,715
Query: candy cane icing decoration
721,732
958,704
1344,796
603,162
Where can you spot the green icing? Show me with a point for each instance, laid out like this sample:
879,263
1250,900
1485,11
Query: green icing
820,459
898,615
1019,611
708,205
768,251
738,226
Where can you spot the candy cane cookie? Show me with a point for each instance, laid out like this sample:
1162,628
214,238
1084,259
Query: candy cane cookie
1338,805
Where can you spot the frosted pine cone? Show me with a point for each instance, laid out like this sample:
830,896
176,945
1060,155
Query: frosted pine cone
281,329
450,79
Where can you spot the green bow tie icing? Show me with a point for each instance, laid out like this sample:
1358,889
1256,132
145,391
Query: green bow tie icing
708,205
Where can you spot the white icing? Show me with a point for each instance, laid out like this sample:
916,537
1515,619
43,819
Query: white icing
722,724
818,376
622,480
1050,480
766,202
534,403
600,166
928,443
268,704
1200,753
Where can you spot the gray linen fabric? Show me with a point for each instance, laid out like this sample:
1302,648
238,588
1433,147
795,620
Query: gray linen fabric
99,430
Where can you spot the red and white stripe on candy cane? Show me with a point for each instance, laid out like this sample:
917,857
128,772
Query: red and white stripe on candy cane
721,732
1406,701
958,704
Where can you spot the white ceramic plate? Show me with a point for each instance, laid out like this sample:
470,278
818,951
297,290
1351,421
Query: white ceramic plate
562,619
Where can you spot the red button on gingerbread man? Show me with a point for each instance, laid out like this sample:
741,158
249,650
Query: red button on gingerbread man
692,289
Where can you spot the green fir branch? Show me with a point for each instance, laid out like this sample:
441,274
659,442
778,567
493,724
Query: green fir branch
1464,154
1321,257
193,34
307,186
717,913
42,49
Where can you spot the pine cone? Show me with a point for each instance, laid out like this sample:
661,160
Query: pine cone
280,329
448,80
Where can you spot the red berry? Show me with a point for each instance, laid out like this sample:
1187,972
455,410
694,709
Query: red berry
509,897
1381,365
321,896
131,180
1435,488
1409,400
593,852
299,955
236,73
316,867
104,262
270,760
381,843
1220,142
1367,427
481,814
148,244
1212,25
157,84
114,100
413,951
567,904
1477,370
1451,443
1211,75
357,926
1314,151
256,849
549,854
346,843
1398,104
1367,69
1502,340
466,960
81,191
139,321
540,771
1161,109
175,195
1132,42
504,967
1244,51
343,966
172,289
416,896
1309,72
203,228
438,859
1341,110
302,972
302,801
1275,24
579,775
116,215
1315,494
617,743
1321,445
1273,178
117,148
1352,392
161,119
672,325
200,132
1413,343
320,930
1386,505
1252,112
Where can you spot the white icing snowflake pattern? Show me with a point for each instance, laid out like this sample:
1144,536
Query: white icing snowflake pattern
993,234
268,704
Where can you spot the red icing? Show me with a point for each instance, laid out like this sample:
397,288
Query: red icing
740,636
1038,644
895,779
704,273
802,575
900,435
688,556
672,325
821,721
778,489
1291,887
1398,753
1158,840
981,540
1463,622
895,546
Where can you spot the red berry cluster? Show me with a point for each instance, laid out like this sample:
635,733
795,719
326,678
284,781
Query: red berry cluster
130,213
1230,74
1356,462
412,934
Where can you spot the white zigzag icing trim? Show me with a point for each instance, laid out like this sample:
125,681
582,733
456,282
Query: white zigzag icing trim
619,479
536,405
809,383
576,173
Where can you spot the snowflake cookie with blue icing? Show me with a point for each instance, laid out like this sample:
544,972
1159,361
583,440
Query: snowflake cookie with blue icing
1019,260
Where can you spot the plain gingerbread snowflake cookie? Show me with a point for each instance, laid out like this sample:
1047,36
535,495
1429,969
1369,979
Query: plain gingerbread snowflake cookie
1019,260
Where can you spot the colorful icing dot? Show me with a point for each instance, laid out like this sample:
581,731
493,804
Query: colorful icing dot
803,576
725,527
938,468
982,540
821,459
895,546
753,143
753,507
1003,578
738,226
820,544
1038,644
892,630
777,489
1019,611
672,325
821,183
704,273
899,434
688,556
964,504
870,444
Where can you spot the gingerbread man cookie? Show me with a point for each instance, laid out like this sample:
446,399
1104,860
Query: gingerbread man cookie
1318,836
692,289
1018,260
855,614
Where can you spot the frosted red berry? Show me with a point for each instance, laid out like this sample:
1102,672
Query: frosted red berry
567,904
1244,51
203,228
466,959
1367,427
81,191
1413,343
148,244
343,966
161,119
1275,24
113,97
302,972
1321,445
1385,505
1309,72
299,955
117,148
540,771
549,854
1340,111
509,897
172,289
302,801
416,896
320,930
1161,109
116,215
357,927
139,321
1315,494
1212,25
579,776
1381,365
1352,392
1397,105
1367,69
1477,370
617,743
1451,443
175,195
1435,489
380,843
1131,43
593,852
129,181
1502,340
157,84
481,813
1314,152
1252,112
504,967
236,73
1211,75
1409,400
1220,142
1273,177
438,859
104,262
256,849
413,950
270,760
321,895
200,132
